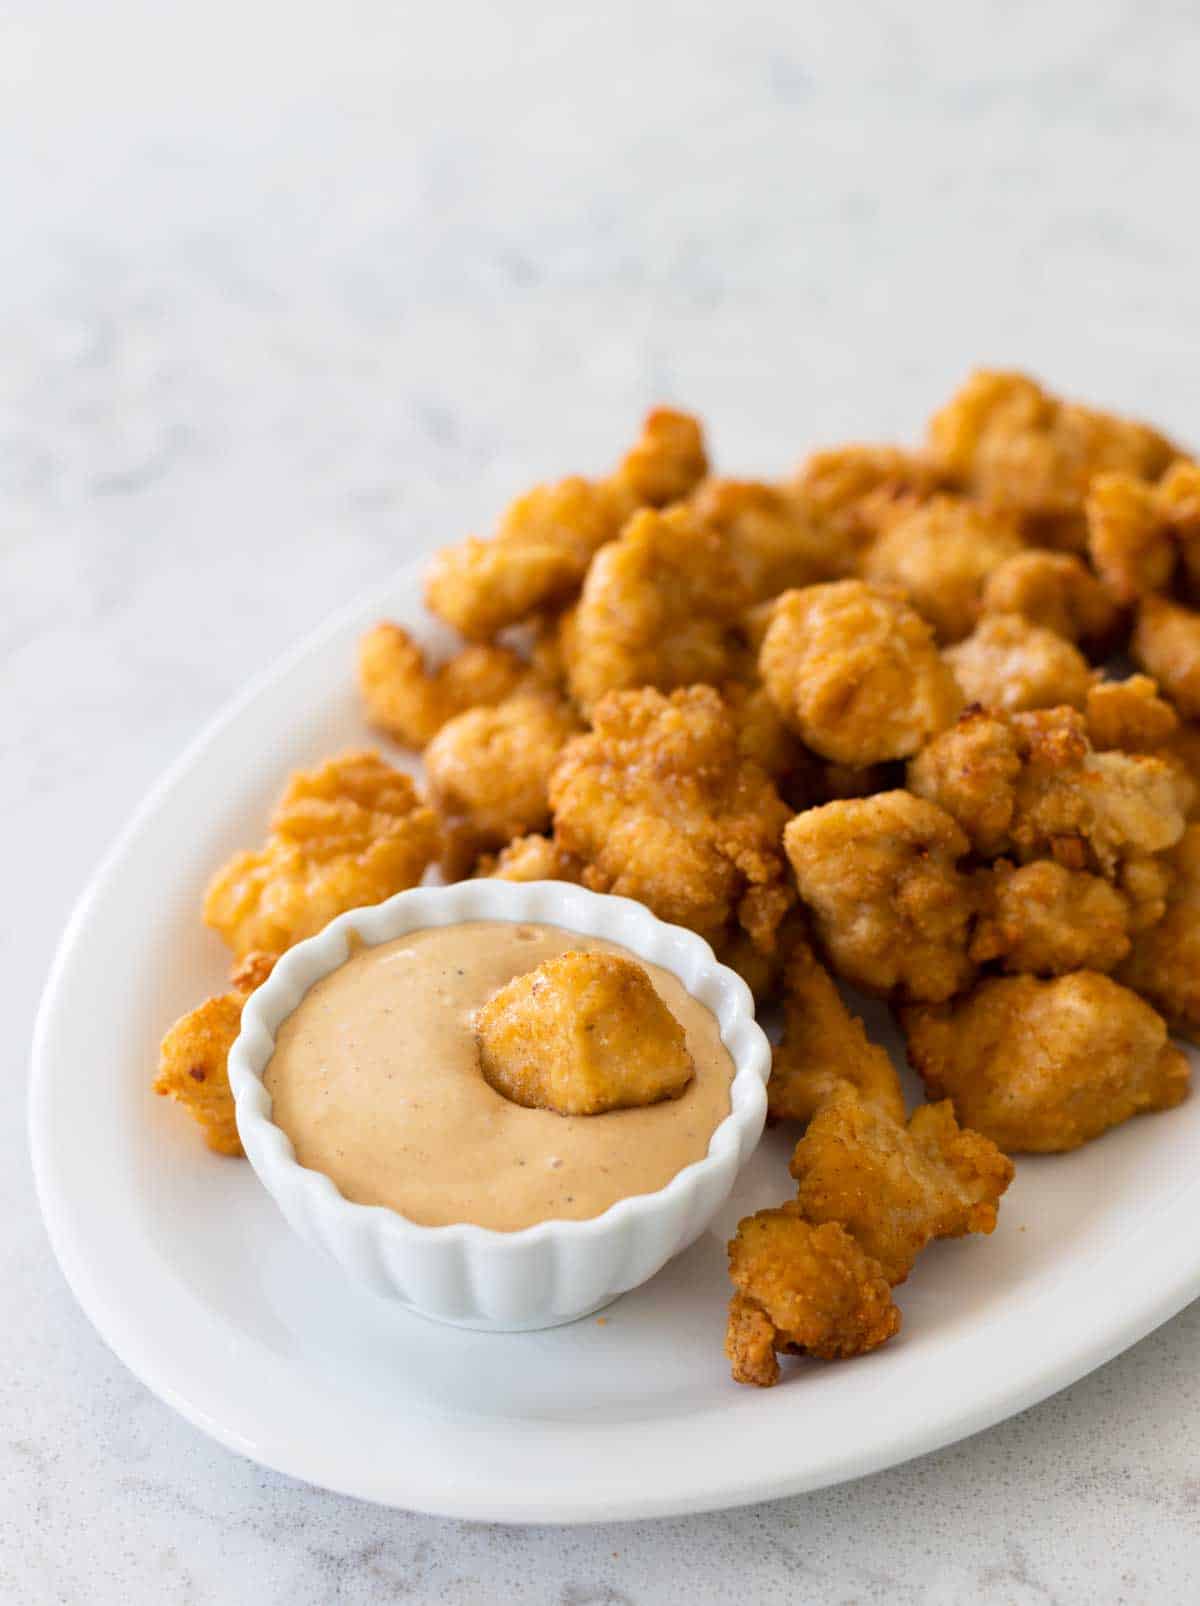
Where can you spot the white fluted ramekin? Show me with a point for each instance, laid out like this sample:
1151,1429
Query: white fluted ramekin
473,1276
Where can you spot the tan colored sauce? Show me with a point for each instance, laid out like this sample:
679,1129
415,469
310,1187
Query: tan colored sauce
376,1080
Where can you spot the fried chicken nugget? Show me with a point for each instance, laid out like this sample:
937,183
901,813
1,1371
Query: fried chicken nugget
661,607
351,832
489,769
193,1059
773,539
852,493
801,1290
892,909
825,1048
583,1033
894,1187
532,858
1044,1066
1057,591
940,557
1141,535
660,806
547,538
1012,664
1014,446
855,673
1044,919
410,702
1166,642
1129,716
1164,966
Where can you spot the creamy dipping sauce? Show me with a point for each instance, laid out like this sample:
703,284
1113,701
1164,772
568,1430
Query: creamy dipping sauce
375,1078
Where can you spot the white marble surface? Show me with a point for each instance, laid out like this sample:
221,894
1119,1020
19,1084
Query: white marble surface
297,289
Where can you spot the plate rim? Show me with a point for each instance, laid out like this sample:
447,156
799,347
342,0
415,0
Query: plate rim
1174,1282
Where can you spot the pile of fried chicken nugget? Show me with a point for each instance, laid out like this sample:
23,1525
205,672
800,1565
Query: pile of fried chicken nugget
850,725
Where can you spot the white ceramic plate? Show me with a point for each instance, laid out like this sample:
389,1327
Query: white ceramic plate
183,1263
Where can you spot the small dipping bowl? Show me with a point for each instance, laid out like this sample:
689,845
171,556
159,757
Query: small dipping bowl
470,1276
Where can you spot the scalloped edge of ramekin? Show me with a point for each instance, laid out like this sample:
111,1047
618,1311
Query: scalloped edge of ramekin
472,1276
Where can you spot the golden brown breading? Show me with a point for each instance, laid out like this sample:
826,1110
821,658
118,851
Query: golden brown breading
855,673
761,733
1166,642
1043,1066
1057,591
351,832
825,1048
801,1290
411,703
1129,715
894,1187
771,536
940,556
971,771
489,769
1141,535
1014,446
583,1033
1165,964
1046,919
891,908
660,607
193,1059
532,858
546,539
1009,663
852,493
660,806
1181,751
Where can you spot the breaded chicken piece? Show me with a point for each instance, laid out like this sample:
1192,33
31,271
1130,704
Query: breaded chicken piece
1141,535
894,1187
532,858
489,769
660,806
854,671
1181,751
1057,591
583,1033
801,1290
891,908
540,553
1014,446
351,832
772,538
852,493
1044,1066
660,607
1164,966
825,1048
940,556
1044,919
193,1059
1009,663
1166,642
410,702
762,735
1129,716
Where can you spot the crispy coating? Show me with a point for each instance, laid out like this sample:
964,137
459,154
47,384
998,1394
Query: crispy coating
894,1187
410,702
825,1048
659,804
1181,751
661,607
1014,446
761,733
940,556
1166,642
855,673
546,539
1140,536
1057,591
855,492
1012,664
1129,715
772,537
489,769
533,858
1044,1066
1164,966
892,909
352,832
801,1290
581,1034
1044,919
193,1058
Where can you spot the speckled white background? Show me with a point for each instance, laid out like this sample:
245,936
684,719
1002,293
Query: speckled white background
298,289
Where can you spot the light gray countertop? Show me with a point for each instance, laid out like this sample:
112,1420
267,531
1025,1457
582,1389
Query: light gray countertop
291,292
